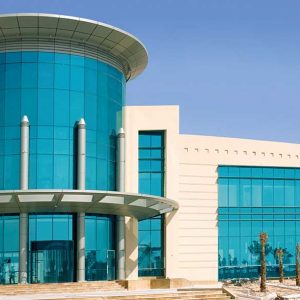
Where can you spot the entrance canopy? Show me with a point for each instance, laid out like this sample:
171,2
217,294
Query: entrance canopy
89,201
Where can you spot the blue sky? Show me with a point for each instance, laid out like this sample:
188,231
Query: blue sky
232,66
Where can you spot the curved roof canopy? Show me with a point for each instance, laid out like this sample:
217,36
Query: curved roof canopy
114,42
103,202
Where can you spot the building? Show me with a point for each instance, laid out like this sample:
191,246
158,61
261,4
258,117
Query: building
92,189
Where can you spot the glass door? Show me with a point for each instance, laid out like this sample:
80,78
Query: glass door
52,261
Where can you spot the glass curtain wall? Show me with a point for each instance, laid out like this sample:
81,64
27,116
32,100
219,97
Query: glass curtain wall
99,247
254,200
51,248
9,249
55,90
151,181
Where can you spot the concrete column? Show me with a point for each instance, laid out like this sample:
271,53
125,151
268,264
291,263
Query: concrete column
81,173
81,154
81,247
120,242
24,186
24,153
23,248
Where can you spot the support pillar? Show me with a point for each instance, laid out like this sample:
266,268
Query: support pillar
81,174
23,256
120,243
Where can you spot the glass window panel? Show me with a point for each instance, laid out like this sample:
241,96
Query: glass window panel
60,227
102,234
11,234
278,173
289,173
13,76
12,107
29,56
268,172
245,172
297,192
45,107
223,192
144,183
234,251
144,153
156,165
45,171
13,57
257,172
222,171
279,192
233,192
245,228
61,77
144,140
234,172
223,228
90,236
245,192
156,239
29,75
268,192
61,108
45,75
62,58
157,184
47,57
77,78
44,228
144,224
289,193
157,140
234,228
256,192
157,153
61,171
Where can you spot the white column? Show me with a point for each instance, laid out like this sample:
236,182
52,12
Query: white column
81,154
120,243
24,186
81,247
23,248
81,173
24,153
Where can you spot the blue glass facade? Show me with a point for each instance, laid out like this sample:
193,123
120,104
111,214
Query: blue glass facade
55,90
254,200
151,181
99,247
9,249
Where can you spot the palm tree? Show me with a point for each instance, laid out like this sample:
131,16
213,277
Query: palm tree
297,265
279,254
263,277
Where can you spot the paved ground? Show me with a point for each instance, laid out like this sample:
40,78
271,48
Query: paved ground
101,294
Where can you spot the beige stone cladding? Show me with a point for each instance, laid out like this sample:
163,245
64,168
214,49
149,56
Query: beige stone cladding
199,158
191,162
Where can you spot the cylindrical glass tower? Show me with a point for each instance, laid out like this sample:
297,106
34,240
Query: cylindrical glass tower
57,70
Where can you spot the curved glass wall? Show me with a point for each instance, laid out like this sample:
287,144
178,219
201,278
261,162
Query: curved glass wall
51,248
9,249
254,200
151,182
99,247
55,90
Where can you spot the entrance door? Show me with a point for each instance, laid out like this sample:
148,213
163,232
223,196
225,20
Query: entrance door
52,261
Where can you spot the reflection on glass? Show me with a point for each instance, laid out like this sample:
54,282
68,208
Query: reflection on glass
100,253
51,248
151,181
267,200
